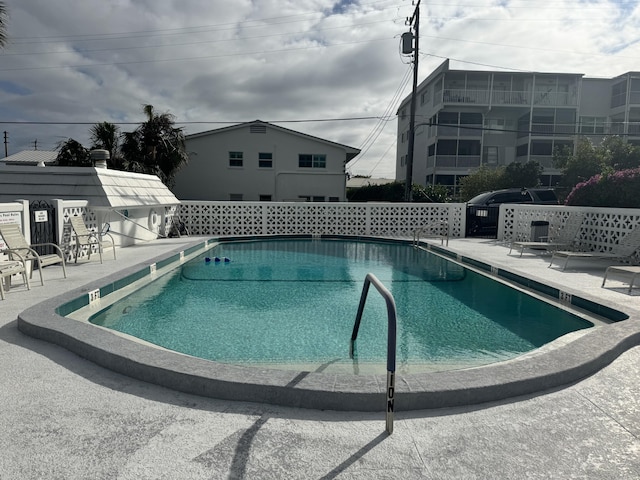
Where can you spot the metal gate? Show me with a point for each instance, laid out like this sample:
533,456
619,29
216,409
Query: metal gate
43,225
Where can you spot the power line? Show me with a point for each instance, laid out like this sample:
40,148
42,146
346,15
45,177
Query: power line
202,122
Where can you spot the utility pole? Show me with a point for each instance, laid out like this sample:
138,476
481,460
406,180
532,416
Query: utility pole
6,145
415,21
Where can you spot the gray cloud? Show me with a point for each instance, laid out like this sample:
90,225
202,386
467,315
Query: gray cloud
218,61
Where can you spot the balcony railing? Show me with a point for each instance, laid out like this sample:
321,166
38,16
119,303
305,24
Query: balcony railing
455,161
500,97
459,131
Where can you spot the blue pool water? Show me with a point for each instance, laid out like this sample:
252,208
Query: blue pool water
294,302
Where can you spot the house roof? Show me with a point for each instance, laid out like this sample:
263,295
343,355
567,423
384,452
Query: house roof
101,187
351,152
30,157
357,182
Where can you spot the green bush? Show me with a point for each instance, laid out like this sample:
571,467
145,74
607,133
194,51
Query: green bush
612,189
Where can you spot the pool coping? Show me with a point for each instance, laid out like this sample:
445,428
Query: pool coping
548,369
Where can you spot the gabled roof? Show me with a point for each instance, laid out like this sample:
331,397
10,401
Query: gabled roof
30,157
101,187
351,152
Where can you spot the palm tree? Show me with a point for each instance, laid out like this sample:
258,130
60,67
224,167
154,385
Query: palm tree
106,136
155,147
3,24
71,153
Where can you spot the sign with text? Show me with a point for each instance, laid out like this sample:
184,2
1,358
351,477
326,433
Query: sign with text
9,217
41,216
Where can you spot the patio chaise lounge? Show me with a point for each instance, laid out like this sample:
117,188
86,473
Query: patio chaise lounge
624,249
632,270
86,238
564,239
20,250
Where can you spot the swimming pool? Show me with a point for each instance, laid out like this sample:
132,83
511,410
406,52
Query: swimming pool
292,304
61,320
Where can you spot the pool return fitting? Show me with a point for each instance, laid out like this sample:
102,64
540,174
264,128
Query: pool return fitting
391,339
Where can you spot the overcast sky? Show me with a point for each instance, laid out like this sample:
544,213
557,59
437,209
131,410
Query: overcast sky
329,68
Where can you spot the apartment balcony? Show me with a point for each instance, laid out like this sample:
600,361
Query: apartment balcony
500,97
454,161
459,131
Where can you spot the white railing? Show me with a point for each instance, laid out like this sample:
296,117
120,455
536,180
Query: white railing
601,228
285,218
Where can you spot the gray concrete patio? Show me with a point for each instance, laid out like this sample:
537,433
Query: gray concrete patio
64,417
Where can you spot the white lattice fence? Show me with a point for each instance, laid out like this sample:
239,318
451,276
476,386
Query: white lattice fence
282,218
68,241
600,229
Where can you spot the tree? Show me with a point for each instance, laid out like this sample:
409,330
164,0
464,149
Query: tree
3,24
71,153
618,154
155,147
522,175
484,179
106,136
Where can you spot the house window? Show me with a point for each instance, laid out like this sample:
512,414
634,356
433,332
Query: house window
235,159
235,197
265,198
265,160
306,160
320,161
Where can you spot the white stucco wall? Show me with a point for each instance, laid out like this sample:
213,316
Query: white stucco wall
208,175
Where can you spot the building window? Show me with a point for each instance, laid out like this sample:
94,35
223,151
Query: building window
491,155
235,159
541,147
265,198
318,199
424,97
265,160
592,125
495,125
522,150
306,160
235,197
334,199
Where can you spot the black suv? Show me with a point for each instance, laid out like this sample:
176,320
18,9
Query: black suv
483,209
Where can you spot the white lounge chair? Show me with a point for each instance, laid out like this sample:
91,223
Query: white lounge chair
86,238
20,250
563,239
624,249
8,268
632,270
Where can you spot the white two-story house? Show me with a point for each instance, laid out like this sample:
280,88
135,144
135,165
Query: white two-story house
466,118
259,161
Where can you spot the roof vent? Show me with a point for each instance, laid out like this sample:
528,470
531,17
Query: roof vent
99,157
257,128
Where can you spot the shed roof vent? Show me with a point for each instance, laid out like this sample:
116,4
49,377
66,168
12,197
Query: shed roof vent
258,129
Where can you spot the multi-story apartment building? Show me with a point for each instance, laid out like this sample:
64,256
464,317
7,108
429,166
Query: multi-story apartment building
465,119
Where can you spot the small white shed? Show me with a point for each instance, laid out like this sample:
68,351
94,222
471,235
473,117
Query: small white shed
134,204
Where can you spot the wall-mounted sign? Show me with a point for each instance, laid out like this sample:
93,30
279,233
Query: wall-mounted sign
41,216
9,217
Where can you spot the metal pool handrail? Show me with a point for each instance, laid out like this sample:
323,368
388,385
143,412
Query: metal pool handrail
391,338
444,226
